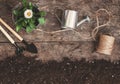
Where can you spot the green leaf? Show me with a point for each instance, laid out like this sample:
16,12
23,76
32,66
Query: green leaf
29,29
41,20
18,28
42,13
26,21
30,5
15,12
33,19
19,21
24,2
24,24
32,26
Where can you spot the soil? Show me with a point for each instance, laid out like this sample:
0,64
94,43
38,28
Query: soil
22,70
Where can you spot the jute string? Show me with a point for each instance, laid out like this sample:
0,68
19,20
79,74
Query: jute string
96,29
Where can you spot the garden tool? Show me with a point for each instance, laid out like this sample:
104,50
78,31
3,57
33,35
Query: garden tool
29,47
18,50
70,19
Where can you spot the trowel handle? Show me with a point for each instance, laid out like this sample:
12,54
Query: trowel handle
11,30
7,35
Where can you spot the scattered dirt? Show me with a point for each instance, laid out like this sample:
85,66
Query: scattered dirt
22,70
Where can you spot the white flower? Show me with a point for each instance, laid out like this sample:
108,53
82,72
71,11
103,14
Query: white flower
28,13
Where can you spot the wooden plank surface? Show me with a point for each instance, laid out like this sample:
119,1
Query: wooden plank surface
58,50
71,44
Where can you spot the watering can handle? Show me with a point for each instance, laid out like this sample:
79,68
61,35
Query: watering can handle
57,15
58,18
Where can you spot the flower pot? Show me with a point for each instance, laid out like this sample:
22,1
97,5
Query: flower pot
19,6
20,17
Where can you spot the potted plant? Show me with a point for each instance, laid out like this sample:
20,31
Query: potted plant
27,16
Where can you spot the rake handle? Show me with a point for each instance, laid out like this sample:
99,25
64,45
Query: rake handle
11,30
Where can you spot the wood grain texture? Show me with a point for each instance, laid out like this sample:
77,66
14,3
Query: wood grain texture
71,44
48,51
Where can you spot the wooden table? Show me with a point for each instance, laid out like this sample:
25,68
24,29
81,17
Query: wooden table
70,44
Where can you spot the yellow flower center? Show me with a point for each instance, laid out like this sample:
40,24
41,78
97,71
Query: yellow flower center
29,13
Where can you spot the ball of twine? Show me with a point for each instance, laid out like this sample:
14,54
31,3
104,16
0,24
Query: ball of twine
106,44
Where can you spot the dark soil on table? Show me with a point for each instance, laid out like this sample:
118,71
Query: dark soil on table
21,70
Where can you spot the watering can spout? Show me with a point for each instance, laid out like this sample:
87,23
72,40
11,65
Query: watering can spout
84,20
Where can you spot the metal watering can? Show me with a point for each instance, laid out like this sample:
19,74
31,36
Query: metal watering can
70,19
